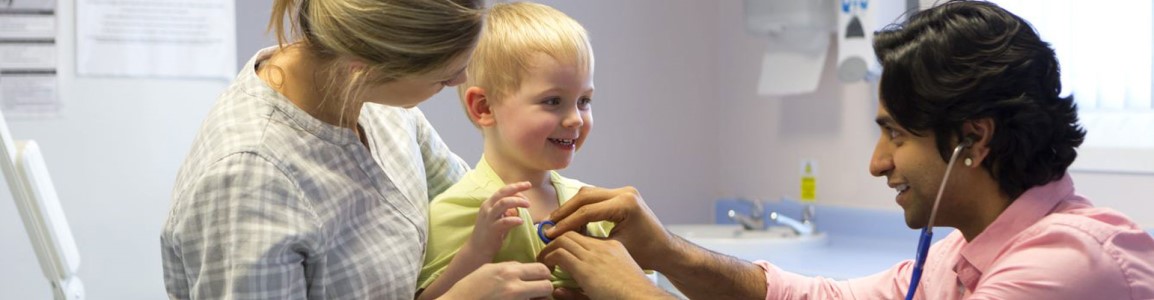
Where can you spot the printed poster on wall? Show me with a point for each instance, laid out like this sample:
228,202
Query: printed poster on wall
28,85
184,39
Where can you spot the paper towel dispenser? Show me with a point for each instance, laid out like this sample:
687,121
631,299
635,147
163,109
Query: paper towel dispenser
789,19
798,36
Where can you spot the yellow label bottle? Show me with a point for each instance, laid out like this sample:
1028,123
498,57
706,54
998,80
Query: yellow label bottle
808,181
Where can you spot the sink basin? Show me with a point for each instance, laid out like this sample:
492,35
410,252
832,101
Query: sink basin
749,244
724,231
776,243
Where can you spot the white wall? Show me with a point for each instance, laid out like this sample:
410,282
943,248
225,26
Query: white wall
763,139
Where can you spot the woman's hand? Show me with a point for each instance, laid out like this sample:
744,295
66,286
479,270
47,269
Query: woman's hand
506,280
495,218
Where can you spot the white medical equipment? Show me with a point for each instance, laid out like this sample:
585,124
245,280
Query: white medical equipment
23,168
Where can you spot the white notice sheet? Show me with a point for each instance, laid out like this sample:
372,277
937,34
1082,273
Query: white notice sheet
156,38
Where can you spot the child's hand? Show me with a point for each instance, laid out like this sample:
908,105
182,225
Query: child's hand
496,217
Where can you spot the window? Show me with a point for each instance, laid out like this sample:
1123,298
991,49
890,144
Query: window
1104,48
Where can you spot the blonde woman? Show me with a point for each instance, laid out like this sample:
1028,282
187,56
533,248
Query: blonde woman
311,176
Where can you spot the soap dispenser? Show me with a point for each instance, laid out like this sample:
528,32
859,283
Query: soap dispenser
808,190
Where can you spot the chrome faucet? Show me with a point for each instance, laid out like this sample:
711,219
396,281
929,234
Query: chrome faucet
802,228
755,220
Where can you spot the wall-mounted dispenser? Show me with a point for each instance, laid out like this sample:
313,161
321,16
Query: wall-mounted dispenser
798,41
856,22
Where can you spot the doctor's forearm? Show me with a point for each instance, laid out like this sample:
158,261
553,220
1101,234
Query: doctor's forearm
702,274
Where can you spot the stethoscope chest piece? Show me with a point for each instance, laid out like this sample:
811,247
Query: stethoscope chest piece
541,227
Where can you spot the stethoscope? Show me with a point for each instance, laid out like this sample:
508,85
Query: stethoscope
928,231
541,230
544,225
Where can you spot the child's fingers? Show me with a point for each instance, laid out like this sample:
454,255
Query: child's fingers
504,199
509,191
503,205
503,225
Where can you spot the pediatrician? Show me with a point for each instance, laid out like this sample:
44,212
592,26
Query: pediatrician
965,81
311,176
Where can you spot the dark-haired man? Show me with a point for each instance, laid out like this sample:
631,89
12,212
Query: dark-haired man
964,72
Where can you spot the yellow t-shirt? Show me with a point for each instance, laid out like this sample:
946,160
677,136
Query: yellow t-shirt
453,214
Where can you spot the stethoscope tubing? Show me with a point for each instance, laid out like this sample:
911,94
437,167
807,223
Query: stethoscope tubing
928,231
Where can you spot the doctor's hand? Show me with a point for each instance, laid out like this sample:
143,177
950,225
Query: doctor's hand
603,268
506,280
636,227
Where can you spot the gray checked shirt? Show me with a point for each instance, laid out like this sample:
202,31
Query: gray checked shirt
274,204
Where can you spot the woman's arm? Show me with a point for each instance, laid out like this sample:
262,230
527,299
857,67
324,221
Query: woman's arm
241,231
443,168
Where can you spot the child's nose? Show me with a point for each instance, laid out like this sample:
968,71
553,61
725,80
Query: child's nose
573,119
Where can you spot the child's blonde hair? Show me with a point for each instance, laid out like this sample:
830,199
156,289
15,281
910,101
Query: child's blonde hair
394,38
513,33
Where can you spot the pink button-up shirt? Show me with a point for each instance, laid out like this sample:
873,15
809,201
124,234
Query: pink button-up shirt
1049,244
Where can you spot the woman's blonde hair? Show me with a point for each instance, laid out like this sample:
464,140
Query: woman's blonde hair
513,33
394,38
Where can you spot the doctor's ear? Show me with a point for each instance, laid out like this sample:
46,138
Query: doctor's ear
478,107
977,133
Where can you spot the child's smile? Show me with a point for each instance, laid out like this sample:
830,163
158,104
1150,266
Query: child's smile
565,144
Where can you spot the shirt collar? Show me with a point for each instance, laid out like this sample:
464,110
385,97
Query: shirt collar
1033,205
564,187
256,87
487,177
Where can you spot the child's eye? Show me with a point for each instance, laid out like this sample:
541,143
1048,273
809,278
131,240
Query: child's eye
584,103
552,101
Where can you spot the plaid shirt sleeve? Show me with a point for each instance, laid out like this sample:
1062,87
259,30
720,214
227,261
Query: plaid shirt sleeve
244,233
443,168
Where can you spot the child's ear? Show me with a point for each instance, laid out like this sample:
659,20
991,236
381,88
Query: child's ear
478,107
